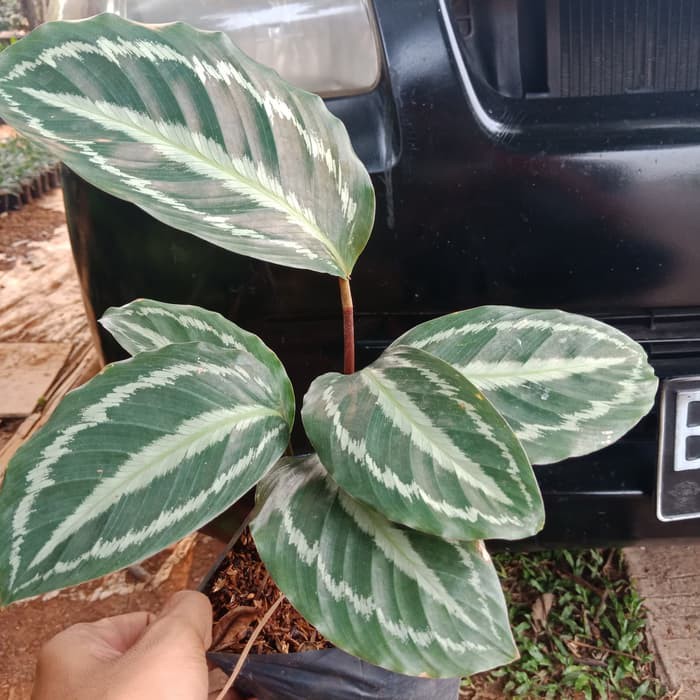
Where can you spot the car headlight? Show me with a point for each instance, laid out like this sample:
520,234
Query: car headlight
330,47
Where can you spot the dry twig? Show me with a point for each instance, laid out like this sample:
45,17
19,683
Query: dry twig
248,647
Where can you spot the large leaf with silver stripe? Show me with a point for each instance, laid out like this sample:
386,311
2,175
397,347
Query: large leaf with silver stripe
567,384
404,600
186,126
410,436
146,324
151,449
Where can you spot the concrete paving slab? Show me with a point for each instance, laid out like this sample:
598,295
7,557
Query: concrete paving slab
667,577
26,372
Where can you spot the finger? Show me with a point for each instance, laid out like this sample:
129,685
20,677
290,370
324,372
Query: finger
123,631
189,610
175,642
103,640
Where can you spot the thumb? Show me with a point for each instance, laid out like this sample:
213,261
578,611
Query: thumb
186,617
114,636
169,658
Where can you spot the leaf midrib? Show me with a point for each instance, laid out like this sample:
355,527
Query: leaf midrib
312,229
574,368
191,438
386,392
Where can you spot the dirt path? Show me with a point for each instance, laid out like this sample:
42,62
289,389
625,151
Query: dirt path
40,297
21,230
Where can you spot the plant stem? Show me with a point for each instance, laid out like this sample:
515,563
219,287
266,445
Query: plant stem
348,327
241,659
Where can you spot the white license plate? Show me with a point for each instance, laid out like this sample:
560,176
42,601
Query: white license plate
678,484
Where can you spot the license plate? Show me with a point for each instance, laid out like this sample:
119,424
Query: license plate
678,487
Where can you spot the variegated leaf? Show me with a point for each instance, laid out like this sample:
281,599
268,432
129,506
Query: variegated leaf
186,126
404,600
410,436
567,384
148,325
148,451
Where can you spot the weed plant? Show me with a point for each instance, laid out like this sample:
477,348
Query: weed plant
580,628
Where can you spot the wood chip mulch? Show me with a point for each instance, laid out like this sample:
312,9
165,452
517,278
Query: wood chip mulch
241,593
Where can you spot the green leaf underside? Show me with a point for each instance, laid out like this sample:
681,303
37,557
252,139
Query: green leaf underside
148,451
567,385
186,126
145,325
410,436
404,600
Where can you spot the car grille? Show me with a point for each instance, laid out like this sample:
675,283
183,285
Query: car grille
462,16
665,334
581,48
614,47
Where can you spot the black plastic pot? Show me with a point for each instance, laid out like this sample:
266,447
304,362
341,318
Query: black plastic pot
323,675
329,673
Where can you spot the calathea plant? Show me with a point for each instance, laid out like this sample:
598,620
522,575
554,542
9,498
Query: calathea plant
377,537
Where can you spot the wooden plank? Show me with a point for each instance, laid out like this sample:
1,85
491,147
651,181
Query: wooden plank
7,34
82,365
27,370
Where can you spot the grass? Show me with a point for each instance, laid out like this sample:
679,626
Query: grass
579,626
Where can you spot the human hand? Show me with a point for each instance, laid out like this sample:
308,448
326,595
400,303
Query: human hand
137,656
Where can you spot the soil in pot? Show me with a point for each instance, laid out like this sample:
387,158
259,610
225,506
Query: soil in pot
241,592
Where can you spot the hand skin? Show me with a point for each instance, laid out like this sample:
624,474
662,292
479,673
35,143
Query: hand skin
137,656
